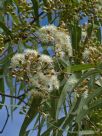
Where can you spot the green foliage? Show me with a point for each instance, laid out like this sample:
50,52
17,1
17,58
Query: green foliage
73,109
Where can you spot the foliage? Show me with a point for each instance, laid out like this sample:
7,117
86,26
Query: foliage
73,107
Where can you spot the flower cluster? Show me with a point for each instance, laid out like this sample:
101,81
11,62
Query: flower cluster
92,54
58,37
38,70
1,43
83,35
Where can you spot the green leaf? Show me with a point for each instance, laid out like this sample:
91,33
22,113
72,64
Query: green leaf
9,82
96,93
97,103
69,118
87,74
53,125
20,47
36,9
6,30
89,32
49,15
67,88
31,114
76,36
2,88
82,111
84,132
6,60
79,67
87,132
15,18
99,35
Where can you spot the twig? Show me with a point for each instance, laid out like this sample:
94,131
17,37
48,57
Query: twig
15,97
5,121
23,37
36,18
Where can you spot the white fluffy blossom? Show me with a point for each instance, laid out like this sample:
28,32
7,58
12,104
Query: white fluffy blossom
83,35
85,94
45,82
17,60
63,39
45,78
92,54
45,58
49,29
30,52
53,83
85,54
47,33
39,70
94,49
59,38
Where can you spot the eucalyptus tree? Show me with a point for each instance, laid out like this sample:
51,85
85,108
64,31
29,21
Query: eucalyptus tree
58,89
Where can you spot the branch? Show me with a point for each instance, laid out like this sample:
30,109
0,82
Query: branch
5,121
23,37
15,97
36,18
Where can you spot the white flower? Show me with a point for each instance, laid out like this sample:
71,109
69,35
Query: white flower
30,52
54,35
72,81
85,94
63,39
54,83
34,80
38,69
60,54
85,54
51,82
46,33
45,82
48,29
17,60
83,36
45,58
94,49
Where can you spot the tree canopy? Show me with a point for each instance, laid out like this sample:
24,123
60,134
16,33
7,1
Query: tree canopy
51,61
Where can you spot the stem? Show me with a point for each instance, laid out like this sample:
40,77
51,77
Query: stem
36,18
14,97
39,127
5,121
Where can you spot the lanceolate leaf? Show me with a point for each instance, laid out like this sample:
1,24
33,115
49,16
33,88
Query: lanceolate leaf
53,125
49,15
9,82
79,67
89,32
69,118
99,35
84,132
76,36
36,9
31,114
67,88
6,30
85,107
88,74
2,88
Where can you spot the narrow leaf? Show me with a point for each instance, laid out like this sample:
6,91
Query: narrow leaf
31,114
